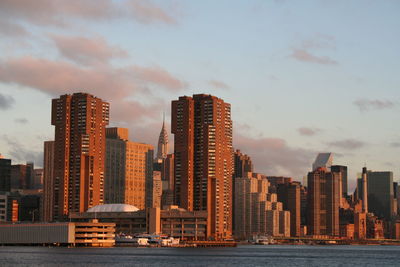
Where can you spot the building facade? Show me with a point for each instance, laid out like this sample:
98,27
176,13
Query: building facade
243,164
258,212
323,202
5,174
202,127
289,195
343,171
129,166
79,153
22,176
48,180
380,194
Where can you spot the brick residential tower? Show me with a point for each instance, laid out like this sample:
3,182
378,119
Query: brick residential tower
79,153
202,127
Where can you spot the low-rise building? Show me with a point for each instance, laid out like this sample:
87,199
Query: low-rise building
90,233
173,221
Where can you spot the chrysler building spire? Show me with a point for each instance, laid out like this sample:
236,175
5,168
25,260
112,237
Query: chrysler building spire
162,150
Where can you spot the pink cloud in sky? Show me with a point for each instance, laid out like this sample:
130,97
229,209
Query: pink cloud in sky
55,12
147,12
121,87
273,156
306,56
87,51
307,131
158,75
304,51
56,77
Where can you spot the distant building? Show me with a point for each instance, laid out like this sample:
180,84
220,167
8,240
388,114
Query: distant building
323,160
167,177
258,212
343,171
92,234
172,221
167,173
243,164
289,194
20,206
5,174
323,202
129,167
22,176
154,191
380,194
202,129
38,179
364,190
360,225
79,153
48,181
375,227
163,147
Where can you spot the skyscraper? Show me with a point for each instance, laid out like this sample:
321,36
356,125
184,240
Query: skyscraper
364,184
258,212
48,180
5,174
323,160
129,166
323,202
380,194
202,127
289,195
22,176
79,153
162,149
243,164
343,171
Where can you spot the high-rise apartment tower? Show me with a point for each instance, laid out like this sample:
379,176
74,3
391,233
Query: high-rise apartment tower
202,127
79,153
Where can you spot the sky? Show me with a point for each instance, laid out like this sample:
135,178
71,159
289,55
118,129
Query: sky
302,77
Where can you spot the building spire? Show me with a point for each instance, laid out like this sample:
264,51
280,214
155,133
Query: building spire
162,149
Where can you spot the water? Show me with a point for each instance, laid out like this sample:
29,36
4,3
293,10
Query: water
239,256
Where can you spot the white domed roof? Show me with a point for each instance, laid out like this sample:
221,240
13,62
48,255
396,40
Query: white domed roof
113,208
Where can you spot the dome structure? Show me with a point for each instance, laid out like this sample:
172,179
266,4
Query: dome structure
113,208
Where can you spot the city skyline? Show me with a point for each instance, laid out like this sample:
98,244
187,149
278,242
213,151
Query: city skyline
336,80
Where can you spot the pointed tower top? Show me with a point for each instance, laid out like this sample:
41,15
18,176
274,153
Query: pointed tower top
163,141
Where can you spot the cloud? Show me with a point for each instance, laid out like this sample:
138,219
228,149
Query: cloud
56,77
59,12
273,156
21,120
347,144
147,12
373,104
87,51
308,131
20,153
318,42
305,56
218,84
157,75
12,29
395,144
121,87
6,102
